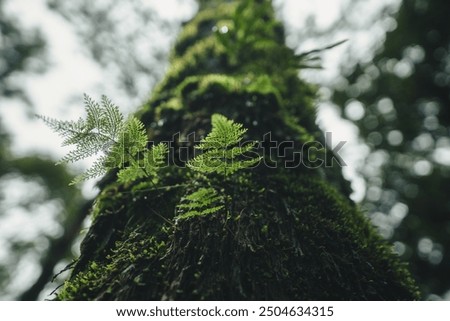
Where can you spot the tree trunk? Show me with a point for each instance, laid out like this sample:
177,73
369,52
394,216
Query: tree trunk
289,231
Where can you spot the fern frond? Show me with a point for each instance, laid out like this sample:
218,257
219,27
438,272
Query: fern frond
156,158
96,170
222,150
202,202
130,173
104,131
223,154
152,161
224,133
134,135
66,129
113,118
94,113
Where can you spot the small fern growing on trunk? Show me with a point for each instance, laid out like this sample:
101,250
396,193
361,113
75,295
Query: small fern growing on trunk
122,144
223,154
123,147
222,151
202,202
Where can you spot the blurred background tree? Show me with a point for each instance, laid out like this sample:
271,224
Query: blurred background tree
134,56
31,187
18,48
400,101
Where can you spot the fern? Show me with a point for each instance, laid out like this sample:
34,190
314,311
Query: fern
153,160
222,152
118,143
123,146
202,202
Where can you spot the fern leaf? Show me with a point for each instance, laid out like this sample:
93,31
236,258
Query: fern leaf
156,158
202,202
112,117
222,150
138,168
130,173
94,113
96,170
133,137
224,133
105,132
66,129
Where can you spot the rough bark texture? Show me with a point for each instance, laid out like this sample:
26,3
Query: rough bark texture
286,234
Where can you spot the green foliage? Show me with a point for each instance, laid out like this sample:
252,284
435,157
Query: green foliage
249,29
18,46
130,250
124,146
120,142
251,33
153,160
222,149
405,119
222,155
202,202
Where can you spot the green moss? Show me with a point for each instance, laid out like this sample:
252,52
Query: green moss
283,224
277,243
202,26
198,59
108,199
118,273
81,287
193,90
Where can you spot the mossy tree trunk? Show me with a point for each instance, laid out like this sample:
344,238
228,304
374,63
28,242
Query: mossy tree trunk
287,232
